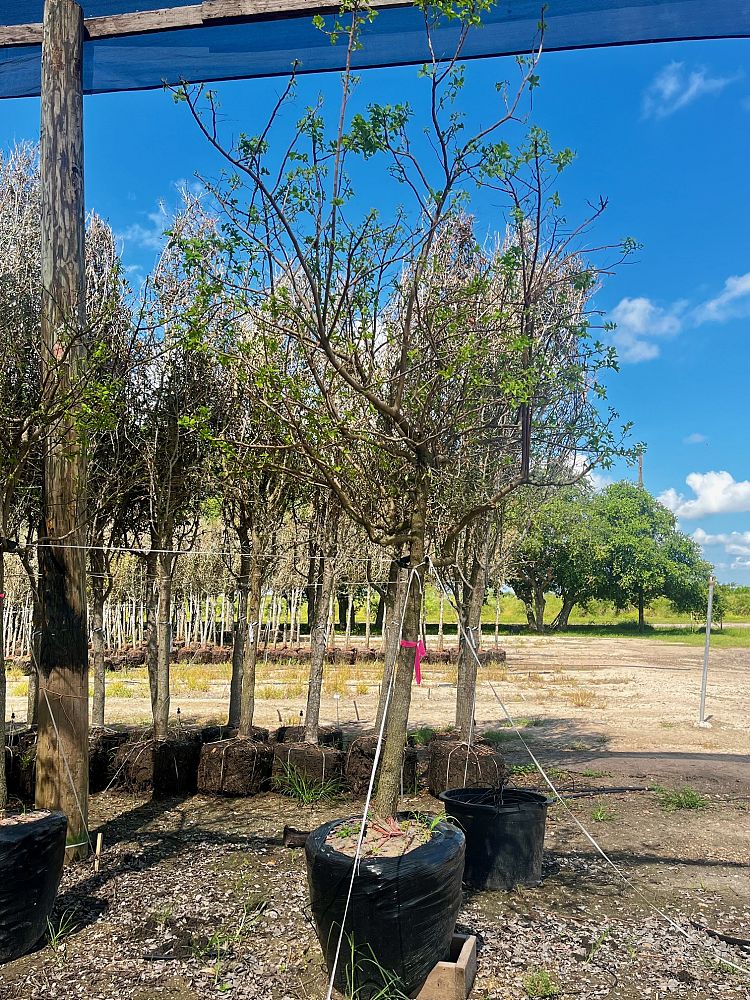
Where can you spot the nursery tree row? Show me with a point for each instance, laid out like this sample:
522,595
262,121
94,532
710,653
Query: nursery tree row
386,373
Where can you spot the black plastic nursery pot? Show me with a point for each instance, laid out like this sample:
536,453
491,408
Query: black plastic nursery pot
504,830
32,850
401,915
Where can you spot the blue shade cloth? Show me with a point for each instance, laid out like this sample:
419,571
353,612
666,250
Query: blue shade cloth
395,37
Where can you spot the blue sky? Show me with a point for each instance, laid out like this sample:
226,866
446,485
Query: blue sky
663,132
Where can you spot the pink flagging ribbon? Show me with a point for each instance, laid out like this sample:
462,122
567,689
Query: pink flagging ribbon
420,651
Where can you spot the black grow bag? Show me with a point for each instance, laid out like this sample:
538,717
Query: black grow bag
401,915
31,862
504,834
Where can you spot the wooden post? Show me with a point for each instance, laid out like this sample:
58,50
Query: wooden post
62,750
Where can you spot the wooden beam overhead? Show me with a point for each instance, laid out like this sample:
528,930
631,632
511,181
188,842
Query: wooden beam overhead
200,15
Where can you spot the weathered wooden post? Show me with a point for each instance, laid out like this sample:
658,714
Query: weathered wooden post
62,752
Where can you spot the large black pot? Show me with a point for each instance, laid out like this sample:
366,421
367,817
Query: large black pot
401,915
31,862
504,834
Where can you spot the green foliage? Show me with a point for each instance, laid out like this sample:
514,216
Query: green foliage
675,799
60,929
620,546
539,983
602,814
305,790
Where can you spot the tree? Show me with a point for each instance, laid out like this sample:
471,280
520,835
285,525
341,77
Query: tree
398,351
557,550
644,555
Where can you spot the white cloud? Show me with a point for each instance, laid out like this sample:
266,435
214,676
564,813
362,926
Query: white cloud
676,87
639,322
151,235
695,439
735,543
715,493
733,301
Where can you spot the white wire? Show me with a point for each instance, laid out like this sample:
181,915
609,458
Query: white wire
600,850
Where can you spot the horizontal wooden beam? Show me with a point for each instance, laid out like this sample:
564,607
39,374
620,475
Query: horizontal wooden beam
200,15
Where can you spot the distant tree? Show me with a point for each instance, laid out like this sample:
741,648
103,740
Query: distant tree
644,556
558,550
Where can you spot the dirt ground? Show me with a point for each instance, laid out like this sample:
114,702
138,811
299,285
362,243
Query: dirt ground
198,898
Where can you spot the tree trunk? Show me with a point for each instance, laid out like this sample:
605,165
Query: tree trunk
250,655
471,615
563,615
539,604
240,637
391,640
152,627
32,697
641,611
98,590
397,716
164,644
62,749
3,685
320,629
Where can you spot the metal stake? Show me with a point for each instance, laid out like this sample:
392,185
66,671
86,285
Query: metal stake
709,615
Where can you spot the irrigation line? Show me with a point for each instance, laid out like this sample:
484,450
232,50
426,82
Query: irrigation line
594,843
368,797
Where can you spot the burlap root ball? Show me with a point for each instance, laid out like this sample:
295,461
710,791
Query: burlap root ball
235,767
453,764
317,764
360,759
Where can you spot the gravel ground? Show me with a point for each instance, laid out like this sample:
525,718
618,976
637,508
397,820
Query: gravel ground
198,898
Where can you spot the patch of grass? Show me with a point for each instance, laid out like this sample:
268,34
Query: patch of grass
539,983
60,929
19,690
305,790
602,814
494,736
583,698
124,689
270,692
422,736
595,774
673,799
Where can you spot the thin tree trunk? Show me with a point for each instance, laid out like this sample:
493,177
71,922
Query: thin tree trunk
641,611
441,620
62,770
391,641
539,605
397,717
164,564
151,627
468,647
3,686
240,639
368,612
98,570
250,657
561,619
319,633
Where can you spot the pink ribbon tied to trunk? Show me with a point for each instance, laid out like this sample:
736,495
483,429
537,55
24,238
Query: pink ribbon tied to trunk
420,651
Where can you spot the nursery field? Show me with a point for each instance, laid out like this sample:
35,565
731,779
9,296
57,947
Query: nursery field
594,695
199,897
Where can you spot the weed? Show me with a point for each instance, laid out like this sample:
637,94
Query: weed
672,799
305,790
499,735
375,977
583,699
595,774
539,983
422,736
597,944
162,917
269,692
123,689
362,687
602,814
60,930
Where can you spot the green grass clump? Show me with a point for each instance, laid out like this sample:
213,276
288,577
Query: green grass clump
602,814
672,799
539,983
422,736
305,790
